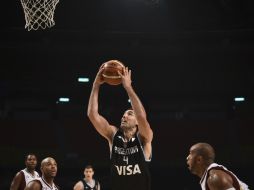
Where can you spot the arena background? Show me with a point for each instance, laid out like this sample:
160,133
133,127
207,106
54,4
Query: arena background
189,59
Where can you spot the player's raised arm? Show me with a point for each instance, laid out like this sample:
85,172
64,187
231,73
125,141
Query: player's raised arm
144,128
98,121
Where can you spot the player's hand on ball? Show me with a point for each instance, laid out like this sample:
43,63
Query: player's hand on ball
126,77
99,79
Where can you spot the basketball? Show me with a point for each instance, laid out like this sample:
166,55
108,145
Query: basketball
110,72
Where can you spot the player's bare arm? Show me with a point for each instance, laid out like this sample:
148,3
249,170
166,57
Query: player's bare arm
16,181
98,121
140,113
78,186
34,185
219,180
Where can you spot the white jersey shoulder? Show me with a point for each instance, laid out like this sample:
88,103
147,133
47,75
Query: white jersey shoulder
203,180
45,185
28,176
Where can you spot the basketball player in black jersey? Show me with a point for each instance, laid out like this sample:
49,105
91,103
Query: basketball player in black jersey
88,182
131,144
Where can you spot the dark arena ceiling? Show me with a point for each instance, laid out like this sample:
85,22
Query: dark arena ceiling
179,51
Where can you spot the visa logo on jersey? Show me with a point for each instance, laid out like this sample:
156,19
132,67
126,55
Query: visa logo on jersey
128,170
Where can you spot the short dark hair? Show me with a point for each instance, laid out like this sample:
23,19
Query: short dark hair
30,154
206,151
89,167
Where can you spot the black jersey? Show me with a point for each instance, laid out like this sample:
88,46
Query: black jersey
87,187
129,170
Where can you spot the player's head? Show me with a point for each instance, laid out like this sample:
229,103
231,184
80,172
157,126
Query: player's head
201,155
48,167
31,161
129,121
89,172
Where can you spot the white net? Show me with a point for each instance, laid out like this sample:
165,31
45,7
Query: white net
39,14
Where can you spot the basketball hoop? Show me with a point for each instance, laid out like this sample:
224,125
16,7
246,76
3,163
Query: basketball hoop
39,14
